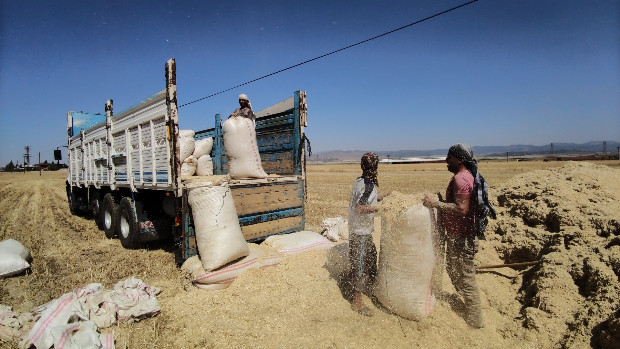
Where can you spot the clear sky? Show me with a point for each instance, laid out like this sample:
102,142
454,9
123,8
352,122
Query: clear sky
496,72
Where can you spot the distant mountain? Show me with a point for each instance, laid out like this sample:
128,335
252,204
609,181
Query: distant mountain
595,147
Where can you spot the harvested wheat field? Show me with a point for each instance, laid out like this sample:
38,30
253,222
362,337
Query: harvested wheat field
565,216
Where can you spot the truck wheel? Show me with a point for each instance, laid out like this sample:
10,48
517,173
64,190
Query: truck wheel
127,224
73,205
96,210
109,211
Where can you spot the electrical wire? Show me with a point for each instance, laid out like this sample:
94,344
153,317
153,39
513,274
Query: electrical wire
333,52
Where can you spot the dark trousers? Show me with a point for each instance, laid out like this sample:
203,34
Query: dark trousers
363,262
460,253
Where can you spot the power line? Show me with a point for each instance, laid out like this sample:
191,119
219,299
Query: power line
331,53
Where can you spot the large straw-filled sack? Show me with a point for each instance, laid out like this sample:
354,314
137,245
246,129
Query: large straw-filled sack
218,234
203,147
205,166
189,166
259,258
242,149
186,143
337,260
406,258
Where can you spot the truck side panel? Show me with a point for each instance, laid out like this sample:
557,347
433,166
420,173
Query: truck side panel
140,146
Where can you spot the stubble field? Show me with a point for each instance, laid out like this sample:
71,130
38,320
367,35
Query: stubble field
563,214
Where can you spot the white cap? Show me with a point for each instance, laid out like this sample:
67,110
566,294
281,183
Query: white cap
243,96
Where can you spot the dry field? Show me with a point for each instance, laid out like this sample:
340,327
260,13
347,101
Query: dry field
565,214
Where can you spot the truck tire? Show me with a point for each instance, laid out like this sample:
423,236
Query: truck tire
109,212
71,198
127,227
96,204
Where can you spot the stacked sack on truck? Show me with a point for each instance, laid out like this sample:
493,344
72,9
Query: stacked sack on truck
14,258
195,154
241,147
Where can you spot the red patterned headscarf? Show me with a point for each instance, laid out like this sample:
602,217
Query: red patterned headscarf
370,164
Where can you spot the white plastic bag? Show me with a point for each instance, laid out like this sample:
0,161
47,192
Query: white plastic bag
13,258
15,247
11,264
205,166
218,234
242,149
203,147
259,257
335,228
297,242
189,165
186,144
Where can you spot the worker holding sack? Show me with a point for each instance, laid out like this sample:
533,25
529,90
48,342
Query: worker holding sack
244,110
457,214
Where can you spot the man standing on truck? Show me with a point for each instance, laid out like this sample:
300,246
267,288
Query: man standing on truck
362,249
244,110
457,214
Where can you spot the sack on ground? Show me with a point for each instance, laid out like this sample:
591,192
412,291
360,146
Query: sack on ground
406,260
15,247
218,234
241,147
259,258
297,242
335,228
205,166
13,258
337,260
11,264
203,147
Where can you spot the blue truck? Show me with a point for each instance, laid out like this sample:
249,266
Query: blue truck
125,171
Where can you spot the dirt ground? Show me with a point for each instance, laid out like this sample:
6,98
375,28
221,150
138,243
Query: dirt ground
564,215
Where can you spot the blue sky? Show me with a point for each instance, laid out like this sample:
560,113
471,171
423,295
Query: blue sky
496,72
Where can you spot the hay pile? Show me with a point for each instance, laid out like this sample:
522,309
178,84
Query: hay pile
569,219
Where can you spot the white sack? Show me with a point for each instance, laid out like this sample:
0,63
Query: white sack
203,147
189,165
335,228
218,234
186,143
11,264
13,325
337,260
242,149
406,261
73,319
15,247
259,258
297,242
205,166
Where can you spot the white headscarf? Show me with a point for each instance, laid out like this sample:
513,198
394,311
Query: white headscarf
244,97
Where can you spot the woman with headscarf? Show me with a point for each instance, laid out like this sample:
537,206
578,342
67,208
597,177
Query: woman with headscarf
362,249
457,214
